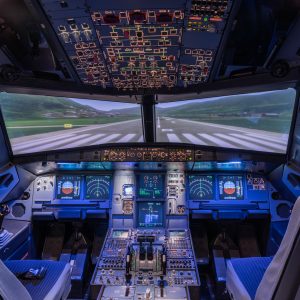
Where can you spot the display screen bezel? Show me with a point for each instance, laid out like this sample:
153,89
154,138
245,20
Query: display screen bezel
82,199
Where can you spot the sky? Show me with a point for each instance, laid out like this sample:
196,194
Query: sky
104,105
109,105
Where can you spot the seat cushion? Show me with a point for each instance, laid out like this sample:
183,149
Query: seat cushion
278,230
55,285
244,275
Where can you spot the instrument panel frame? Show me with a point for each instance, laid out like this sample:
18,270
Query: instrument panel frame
83,188
249,196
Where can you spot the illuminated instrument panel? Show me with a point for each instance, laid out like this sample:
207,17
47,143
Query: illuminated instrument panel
146,255
231,187
148,250
68,187
132,46
201,187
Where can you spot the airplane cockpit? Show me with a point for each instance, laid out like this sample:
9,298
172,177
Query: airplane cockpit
149,150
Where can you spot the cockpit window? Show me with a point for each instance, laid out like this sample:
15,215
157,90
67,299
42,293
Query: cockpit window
258,121
43,123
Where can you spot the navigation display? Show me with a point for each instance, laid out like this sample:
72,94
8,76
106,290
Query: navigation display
68,187
150,214
201,187
231,187
38,123
150,186
257,121
98,187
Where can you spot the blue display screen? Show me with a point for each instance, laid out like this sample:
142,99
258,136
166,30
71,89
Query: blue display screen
98,187
150,186
231,187
150,214
201,187
68,187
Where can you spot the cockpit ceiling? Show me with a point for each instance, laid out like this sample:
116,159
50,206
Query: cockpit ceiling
133,47
129,45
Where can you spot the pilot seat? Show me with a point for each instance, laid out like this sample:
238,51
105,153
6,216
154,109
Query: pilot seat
55,284
266,278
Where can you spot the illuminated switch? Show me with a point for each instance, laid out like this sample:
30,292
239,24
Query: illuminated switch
126,34
66,37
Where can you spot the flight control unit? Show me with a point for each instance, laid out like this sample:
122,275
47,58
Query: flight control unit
148,251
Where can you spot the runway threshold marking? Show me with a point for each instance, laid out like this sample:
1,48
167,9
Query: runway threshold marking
194,139
282,141
60,142
106,139
126,138
173,138
215,140
259,141
86,140
248,145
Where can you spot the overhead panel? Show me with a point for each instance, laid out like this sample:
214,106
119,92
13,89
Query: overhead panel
138,45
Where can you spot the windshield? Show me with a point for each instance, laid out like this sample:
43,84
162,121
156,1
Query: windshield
258,121
42,123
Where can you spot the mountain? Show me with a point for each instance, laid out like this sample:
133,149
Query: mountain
19,106
273,102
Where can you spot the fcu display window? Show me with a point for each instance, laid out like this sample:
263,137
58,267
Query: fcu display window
231,187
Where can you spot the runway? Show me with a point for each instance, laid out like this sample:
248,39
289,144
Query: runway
167,130
209,134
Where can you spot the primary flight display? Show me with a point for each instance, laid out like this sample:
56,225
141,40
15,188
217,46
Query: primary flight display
68,187
231,187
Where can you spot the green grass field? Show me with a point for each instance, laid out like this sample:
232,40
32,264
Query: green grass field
18,132
279,125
